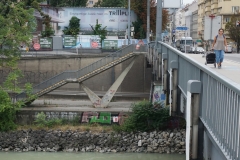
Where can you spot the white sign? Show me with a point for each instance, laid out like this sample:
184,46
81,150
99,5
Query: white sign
211,27
116,19
171,3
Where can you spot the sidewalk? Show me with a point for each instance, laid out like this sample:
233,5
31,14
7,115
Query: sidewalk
73,101
230,69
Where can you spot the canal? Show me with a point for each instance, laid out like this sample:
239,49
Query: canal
88,156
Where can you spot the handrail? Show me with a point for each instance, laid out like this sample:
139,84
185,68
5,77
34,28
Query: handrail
83,71
219,98
226,81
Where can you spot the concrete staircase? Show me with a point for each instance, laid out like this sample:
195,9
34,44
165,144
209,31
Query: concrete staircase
82,74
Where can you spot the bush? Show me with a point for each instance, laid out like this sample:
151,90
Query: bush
7,112
42,122
147,117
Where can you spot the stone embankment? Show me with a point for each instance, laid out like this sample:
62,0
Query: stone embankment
74,141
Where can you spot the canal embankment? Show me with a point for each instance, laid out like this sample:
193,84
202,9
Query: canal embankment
169,141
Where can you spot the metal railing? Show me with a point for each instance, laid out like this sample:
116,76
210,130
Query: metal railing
76,74
219,99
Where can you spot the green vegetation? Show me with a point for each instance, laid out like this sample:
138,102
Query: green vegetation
17,23
73,28
98,30
68,3
110,3
146,117
234,30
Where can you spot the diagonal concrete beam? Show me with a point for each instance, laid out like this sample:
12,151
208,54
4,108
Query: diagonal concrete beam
103,103
96,101
112,90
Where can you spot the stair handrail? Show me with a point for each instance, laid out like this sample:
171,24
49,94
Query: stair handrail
87,69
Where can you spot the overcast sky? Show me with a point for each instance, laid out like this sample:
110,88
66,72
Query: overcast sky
187,1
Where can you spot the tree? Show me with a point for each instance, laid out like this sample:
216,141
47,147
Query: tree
46,18
17,24
110,3
74,27
234,29
69,3
140,8
98,30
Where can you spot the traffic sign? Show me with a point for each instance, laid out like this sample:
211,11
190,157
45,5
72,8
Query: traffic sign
36,46
181,28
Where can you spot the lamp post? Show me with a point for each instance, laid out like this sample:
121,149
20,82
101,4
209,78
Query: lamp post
148,21
129,22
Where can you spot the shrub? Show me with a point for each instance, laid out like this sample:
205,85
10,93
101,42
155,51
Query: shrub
42,122
7,112
146,117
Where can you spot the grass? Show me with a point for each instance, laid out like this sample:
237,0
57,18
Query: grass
95,128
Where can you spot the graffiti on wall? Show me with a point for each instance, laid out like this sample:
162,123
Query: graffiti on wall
103,117
24,117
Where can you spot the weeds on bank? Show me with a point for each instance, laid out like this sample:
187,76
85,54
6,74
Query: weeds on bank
144,117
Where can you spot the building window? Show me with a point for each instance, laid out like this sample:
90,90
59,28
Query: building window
227,19
219,10
235,9
90,2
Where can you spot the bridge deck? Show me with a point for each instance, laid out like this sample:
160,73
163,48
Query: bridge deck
230,69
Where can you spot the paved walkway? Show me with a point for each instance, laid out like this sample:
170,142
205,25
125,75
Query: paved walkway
230,69
77,105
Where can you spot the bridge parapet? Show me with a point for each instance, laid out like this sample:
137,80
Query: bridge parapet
219,99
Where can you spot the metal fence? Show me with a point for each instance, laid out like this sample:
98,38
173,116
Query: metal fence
219,100
76,74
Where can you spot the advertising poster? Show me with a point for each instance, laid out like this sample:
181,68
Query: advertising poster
115,19
45,43
158,95
109,44
69,41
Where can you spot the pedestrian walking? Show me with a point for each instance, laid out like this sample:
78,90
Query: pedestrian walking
219,45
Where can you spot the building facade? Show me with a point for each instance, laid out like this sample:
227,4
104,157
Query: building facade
223,8
186,17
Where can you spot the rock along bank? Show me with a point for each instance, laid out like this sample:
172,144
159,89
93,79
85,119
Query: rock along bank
75,141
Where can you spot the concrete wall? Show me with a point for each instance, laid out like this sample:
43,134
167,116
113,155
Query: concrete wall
37,70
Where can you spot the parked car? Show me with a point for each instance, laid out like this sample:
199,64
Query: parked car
193,50
229,49
200,50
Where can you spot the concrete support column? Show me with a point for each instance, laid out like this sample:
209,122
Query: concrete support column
193,101
165,70
174,67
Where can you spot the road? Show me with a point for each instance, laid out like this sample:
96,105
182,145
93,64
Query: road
232,57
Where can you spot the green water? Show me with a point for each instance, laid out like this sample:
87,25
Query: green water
88,156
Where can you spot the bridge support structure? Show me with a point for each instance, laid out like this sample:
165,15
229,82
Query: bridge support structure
103,103
192,117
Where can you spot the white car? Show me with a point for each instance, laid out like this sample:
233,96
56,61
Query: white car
229,49
200,50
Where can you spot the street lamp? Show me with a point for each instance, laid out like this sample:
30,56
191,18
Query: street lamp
128,22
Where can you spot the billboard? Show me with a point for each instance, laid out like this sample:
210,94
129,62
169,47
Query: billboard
116,19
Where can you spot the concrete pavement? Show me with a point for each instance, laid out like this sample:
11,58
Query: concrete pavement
230,69
77,105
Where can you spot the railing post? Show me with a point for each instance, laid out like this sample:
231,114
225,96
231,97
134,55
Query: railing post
174,67
165,75
193,101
